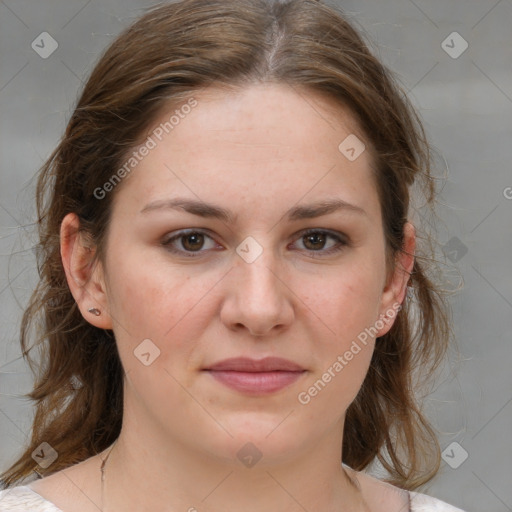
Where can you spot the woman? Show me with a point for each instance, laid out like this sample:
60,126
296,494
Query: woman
232,298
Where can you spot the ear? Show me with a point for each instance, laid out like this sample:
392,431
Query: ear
396,288
84,274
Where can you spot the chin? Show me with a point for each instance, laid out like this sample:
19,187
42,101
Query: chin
260,438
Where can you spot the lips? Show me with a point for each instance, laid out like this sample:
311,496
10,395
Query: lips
245,364
256,377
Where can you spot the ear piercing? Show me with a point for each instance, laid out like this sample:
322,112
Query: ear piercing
94,311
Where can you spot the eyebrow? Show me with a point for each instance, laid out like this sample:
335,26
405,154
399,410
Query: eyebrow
202,209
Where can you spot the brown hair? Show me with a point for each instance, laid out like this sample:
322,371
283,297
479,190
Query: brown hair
172,51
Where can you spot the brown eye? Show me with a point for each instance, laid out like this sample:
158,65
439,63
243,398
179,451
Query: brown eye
189,243
314,241
192,241
317,242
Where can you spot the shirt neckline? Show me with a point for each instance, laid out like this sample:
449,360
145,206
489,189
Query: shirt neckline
43,500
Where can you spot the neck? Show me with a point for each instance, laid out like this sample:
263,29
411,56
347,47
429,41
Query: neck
148,476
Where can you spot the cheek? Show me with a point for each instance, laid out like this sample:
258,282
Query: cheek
344,354
346,306
328,394
346,299
152,301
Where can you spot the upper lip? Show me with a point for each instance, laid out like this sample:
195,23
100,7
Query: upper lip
246,364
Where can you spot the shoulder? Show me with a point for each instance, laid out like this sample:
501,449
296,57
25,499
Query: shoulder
423,503
382,495
23,499
60,491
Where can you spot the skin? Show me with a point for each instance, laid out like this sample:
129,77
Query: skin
257,151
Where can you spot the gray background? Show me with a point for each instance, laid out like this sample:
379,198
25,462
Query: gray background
466,104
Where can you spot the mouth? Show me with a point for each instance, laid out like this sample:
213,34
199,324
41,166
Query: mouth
256,377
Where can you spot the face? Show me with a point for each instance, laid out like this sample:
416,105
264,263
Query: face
249,266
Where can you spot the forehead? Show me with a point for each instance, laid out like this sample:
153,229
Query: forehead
271,114
260,142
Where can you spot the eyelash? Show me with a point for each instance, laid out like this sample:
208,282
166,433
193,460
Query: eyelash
341,240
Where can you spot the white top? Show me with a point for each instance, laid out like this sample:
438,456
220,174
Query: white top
23,499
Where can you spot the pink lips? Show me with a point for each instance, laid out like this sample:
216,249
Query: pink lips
256,377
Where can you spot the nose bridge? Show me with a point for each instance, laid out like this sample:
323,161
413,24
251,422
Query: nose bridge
258,279
259,298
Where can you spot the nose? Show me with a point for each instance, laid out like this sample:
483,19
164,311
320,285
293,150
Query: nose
257,298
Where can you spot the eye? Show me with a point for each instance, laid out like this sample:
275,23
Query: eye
315,240
193,242
189,242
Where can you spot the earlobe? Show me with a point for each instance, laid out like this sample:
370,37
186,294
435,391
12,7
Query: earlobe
83,273
394,293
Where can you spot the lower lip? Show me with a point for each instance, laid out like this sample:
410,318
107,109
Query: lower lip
256,383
